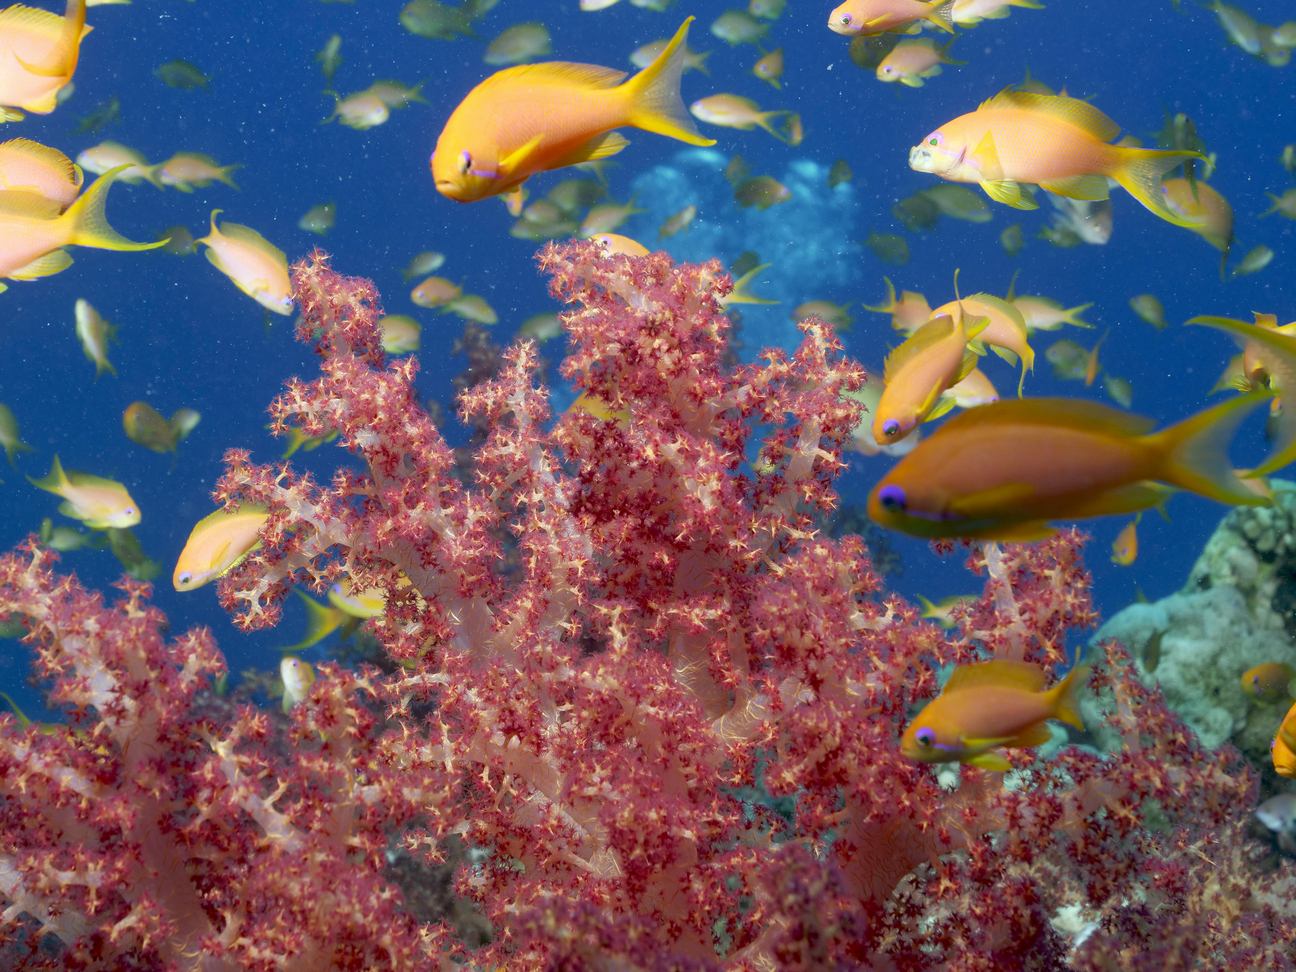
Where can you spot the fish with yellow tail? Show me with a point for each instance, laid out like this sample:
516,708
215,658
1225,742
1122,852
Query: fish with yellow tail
1058,143
1002,471
878,16
217,543
1005,331
255,265
38,56
997,704
33,233
918,372
908,313
27,166
96,502
537,117
1125,546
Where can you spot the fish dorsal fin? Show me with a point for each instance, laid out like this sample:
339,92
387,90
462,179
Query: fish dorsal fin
931,333
565,73
1072,413
28,205
85,479
44,155
197,157
1266,320
250,237
1001,672
1072,110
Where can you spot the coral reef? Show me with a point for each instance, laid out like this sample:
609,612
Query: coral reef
667,737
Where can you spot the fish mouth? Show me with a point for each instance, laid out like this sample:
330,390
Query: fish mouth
837,27
921,159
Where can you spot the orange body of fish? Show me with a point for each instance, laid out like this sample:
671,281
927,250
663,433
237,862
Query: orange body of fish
537,117
919,371
876,16
994,704
1125,546
38,55
1268,682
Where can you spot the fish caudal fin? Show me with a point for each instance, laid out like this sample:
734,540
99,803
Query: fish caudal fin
54,481
654,98
61,61
1066,707
1193,454
89,218
941,14
1139,172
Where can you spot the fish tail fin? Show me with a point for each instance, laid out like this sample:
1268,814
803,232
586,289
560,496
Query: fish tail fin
62,58
766,121
1066,707
1193,454
654,98
941,14
55,480
88,217
150,172
890,305
223,174
1139,172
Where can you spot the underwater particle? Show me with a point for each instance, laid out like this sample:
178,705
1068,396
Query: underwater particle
318,219
761,192
472,307
917,212
1254,261
839,173
182,75
94,333
427,18
329,57
541,327
1149,309
735,111
694,61
1284,204
184,170
959,202
736,27
519,44
179,241
913,60
104,113
770,68
1012,239
10,438
1119,390
434,292
888,247
826,311
400,333
422,264
678,223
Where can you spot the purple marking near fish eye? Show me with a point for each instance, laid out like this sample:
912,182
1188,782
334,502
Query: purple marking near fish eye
925,737
892,497
484,174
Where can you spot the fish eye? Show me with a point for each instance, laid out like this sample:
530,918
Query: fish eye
129,511
925,737
465,162
185,578
846,20
892,497
935,138
890,427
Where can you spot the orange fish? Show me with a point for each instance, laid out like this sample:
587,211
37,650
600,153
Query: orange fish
918,372
994,704
1268,682
908,313
1125,546
1053,141
33,234
876,16
1284,760
536,117
27,166
1003,470
38,56
1287,732
1198,202
1005,332
1091,362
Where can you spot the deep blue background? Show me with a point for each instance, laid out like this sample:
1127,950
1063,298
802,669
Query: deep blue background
189,338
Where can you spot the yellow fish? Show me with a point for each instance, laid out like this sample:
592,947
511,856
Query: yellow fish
27,166
33,233
1268,682
1125,546
908,313
38,56
537,117
216,544
298,677
919,371
257,266
95,333
1005,332
991,705
98,503
1059,143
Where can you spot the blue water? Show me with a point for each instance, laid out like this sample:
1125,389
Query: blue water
188,338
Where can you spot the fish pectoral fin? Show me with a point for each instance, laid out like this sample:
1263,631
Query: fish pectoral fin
516,161
1036,735
1006,354
43,266
987,502
218,555
599,147
990,761
943,405
1009,193
1090,187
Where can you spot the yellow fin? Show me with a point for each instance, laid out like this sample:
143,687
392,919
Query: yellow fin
1079,113
51,263
565,73
599,147
89,218
990,761
218,555
1064,705
653,95
1001,672
1009,193
1092,187
1036,734
1194,453
516,161
986,155
1139,172
943,404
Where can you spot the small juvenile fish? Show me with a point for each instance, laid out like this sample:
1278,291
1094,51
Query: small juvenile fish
1254,261
182,74
972,390
329,57
519,44
770,68
145,426
98,503
1082,220
913,60
888,247
297,675
184,170
178,241
940,610
400,333
678,223
434,292
1012,239
1278,814
428,18
1284,204
959,202
839,173
1242,29
766,9
473,308
10,437
761,192
541,327
991,705
969,13
917,212
254,264
1268,682
736,27
1045,314
1199,203
1069,360
643,56
111,155
826,311
319,219
422,264
27,166
1119,390
734,111
105,113
607,218
393,94
95,333
217,543
1125,546
361,111
1149,309
876,16
1288,159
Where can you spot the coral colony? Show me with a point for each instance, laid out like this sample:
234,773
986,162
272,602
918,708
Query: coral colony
646,714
